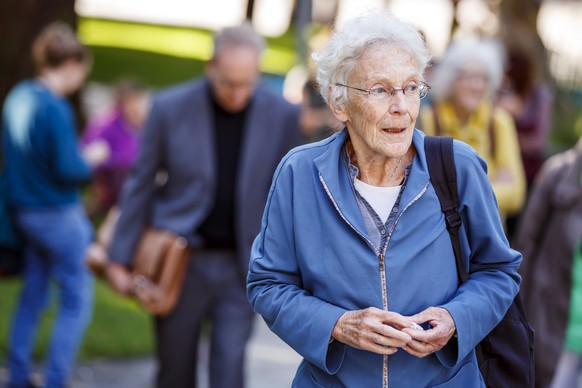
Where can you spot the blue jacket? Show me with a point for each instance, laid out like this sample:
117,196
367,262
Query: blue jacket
43,164
312,262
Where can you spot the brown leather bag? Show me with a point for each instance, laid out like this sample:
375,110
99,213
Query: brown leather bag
159,267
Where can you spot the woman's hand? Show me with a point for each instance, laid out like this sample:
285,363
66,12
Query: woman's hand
374,330
432,340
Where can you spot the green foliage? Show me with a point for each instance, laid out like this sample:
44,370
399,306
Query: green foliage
567,116
119,328
164,55
156,70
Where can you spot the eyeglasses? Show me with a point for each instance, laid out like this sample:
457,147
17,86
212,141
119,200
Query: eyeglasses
385,92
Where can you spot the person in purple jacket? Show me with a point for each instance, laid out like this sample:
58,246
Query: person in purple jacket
120,128
43,169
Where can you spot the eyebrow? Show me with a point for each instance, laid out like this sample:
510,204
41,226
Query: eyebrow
386,82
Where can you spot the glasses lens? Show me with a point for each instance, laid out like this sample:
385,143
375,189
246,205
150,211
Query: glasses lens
423,91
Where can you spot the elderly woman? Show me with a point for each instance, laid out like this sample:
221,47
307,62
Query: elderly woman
464,85
354,267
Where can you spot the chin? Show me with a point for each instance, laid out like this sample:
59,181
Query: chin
233,108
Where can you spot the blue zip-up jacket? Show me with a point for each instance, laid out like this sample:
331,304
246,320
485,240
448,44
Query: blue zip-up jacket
312,262
43,164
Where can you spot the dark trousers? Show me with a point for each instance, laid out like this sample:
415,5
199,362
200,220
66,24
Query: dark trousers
213,289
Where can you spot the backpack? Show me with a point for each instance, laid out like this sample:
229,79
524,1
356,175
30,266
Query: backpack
506,354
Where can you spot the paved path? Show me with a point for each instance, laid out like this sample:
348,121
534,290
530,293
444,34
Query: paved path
271,364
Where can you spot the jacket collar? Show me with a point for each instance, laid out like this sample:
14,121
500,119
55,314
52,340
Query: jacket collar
334,173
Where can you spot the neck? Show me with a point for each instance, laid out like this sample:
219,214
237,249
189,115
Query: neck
54,81
462,114
385,172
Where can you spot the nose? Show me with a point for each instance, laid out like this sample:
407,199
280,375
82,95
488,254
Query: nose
398,103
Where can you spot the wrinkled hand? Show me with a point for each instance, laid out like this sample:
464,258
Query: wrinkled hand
119,278
434,339
374,330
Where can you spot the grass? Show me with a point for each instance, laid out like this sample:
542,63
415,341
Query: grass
119,329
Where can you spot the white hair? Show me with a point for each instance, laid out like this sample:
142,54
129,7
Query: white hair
337,59
242,35
486,52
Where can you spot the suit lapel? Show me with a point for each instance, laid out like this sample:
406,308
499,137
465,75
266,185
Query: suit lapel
201,117
255,137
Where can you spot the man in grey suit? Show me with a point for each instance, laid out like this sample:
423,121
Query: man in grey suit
207,157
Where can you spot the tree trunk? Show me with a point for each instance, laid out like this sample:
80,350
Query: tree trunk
20,23
518,28
250,9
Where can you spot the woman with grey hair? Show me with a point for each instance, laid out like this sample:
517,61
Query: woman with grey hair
354,266
464,85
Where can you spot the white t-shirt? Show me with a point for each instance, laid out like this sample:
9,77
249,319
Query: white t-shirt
382,199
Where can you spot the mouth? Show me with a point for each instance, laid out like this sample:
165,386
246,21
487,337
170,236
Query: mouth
394,130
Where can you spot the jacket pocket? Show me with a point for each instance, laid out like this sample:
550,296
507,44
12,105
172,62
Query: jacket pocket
467,377
310,376
319,378
317,383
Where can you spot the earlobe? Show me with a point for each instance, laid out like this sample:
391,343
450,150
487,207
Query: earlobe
338,111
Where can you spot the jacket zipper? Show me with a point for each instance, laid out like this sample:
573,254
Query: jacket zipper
381,257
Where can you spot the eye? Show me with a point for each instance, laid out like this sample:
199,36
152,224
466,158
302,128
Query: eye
379,91
411,89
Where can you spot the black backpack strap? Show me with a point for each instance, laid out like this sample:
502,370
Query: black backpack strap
443,176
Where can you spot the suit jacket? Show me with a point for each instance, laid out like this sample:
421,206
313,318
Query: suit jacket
173,181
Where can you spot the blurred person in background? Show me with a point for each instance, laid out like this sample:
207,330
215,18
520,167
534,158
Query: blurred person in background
213,144
121,129
317,121
550,227
354,253
529,101
464,84
44,168
569,370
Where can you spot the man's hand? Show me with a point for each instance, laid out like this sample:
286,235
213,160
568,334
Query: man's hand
374,330
119,278
434,339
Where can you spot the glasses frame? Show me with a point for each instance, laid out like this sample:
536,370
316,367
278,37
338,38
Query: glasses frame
423,92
